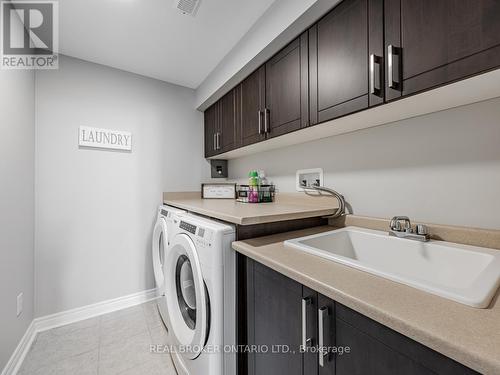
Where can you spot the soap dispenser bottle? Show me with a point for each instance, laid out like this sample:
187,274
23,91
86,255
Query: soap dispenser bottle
253,183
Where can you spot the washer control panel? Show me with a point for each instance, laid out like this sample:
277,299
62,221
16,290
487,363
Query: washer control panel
204,237
188,227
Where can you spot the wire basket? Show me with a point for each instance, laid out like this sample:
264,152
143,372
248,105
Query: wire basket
255,194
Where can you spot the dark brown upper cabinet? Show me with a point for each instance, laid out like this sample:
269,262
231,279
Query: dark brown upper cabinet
227,122
211,128
221,125
286,106
361,54
346,64
376,60
250,107
431,43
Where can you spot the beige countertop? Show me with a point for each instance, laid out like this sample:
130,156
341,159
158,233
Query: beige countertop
468,335
287,206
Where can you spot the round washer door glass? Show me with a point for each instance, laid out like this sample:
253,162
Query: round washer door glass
159,251
187,300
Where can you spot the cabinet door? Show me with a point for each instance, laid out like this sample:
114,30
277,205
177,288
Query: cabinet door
376,76
437,42
251,107
376,349
339,61
211,116
276,320
227,122
287,89
368,355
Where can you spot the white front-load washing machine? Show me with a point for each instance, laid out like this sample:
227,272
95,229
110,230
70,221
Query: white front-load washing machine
162,235
200,295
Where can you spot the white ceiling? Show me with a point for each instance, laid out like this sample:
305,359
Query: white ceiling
151,38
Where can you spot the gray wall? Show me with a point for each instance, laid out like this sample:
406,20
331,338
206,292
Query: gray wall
17,129
95,210
440,168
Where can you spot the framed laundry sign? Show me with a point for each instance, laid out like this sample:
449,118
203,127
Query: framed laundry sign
104,138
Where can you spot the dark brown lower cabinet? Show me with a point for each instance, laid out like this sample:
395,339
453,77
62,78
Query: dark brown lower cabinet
306,333
276,319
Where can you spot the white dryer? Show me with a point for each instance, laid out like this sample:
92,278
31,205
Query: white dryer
200,291
162,235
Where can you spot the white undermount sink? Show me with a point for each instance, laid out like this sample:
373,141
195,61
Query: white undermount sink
465,274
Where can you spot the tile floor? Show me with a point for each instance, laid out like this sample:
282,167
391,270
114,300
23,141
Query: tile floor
115,343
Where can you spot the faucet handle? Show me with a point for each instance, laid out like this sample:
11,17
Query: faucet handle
396,223
422,229
396,226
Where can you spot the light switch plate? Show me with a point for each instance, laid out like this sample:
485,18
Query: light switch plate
19,304
309,176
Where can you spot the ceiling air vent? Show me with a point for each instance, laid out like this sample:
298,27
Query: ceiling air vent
189,7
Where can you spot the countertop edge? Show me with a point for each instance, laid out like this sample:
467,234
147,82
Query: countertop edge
473,360
188,207
251,220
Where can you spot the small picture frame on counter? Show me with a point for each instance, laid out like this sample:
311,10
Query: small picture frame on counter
218,190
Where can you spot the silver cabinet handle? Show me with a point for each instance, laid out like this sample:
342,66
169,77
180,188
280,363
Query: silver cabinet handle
260,121
322,352
266,121
215,141
391,51
305,340
390,61
374,59
218,141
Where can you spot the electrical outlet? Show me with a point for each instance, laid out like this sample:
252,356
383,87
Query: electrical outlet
19,304
308,177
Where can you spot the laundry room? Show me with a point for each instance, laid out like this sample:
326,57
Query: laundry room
296,187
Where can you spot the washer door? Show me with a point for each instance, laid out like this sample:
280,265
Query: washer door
187,299
159,249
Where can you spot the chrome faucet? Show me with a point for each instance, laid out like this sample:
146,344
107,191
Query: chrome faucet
322,189
420,233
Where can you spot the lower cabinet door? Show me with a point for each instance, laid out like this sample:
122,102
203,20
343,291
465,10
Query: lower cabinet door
370,356
277,321
378,350
293,330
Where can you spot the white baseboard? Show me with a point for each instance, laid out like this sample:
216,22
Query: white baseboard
17,358
71,316
81,313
